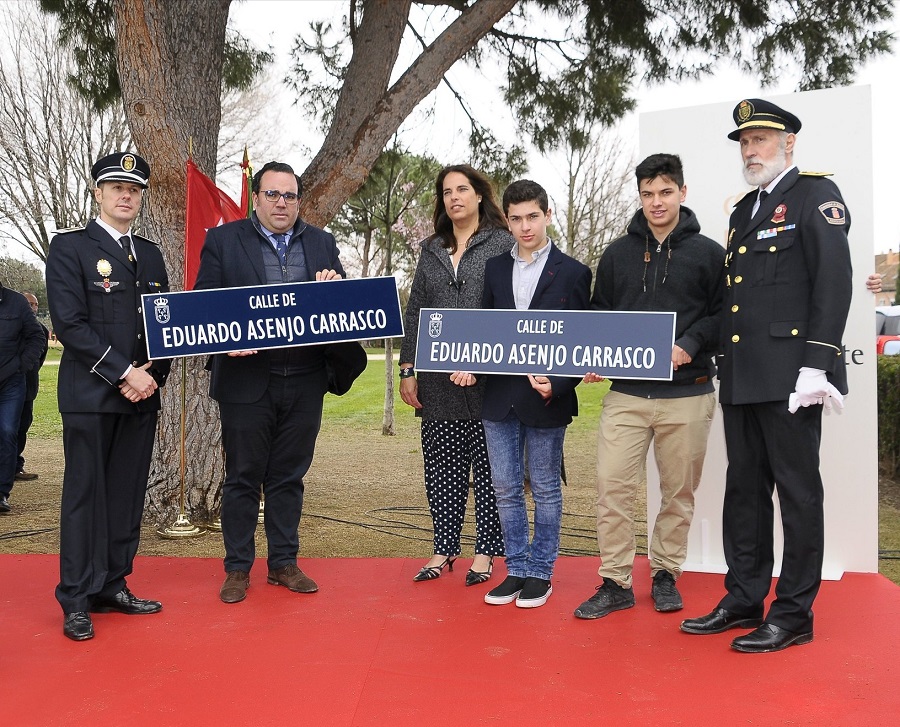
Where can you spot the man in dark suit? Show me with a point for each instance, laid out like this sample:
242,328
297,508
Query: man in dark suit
20,348
529,410
788,278
270,401
108,394
32,384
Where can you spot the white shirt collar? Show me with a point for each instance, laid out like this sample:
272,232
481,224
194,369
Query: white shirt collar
113,232
535,255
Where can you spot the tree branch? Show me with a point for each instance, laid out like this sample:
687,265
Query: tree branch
341,165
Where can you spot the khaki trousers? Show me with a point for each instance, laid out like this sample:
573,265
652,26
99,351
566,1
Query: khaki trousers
679,429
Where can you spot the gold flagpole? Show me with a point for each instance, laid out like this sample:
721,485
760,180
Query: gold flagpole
183,527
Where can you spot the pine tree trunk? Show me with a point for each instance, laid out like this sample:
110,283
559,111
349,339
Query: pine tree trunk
170,56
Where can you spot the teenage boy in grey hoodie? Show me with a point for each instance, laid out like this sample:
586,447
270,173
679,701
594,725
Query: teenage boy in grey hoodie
663,263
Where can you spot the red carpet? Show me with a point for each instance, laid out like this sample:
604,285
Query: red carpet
373,648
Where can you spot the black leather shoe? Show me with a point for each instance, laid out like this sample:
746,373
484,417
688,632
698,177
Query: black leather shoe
769,637
4,505
124,602
718,621
78,627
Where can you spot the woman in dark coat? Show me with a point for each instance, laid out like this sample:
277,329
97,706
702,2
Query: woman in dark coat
469,228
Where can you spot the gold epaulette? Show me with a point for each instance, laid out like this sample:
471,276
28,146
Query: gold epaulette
816,174
69,229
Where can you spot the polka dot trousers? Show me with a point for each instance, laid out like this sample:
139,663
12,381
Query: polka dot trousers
451,450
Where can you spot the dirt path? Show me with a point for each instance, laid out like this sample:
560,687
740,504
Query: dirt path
364,497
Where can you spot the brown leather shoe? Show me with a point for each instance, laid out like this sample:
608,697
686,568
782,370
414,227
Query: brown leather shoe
23,476
234,589
292,578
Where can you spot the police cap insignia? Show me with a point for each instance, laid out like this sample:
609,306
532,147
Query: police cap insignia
121,167
757,113
833,212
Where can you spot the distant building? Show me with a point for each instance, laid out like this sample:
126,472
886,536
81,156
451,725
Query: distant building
886,264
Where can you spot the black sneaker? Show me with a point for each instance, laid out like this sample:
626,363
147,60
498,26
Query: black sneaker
665,595
506,592
608,598
534,593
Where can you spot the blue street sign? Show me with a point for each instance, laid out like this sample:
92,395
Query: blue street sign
614,344
198,322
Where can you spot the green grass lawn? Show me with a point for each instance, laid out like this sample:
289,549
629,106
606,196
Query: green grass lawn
47,423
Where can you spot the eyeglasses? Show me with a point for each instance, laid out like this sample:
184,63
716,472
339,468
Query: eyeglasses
273,195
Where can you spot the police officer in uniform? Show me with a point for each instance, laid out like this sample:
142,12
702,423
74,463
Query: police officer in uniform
108,394
788,279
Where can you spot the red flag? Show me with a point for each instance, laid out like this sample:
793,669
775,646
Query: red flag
207,206
246,178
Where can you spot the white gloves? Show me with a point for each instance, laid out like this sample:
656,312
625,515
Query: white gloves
812,388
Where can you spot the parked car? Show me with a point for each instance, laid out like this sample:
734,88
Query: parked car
887,329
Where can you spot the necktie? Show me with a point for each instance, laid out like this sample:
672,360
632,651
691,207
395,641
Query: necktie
281,248
759,200
125,242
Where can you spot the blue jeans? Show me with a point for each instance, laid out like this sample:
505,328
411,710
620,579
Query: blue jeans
12,396
506,442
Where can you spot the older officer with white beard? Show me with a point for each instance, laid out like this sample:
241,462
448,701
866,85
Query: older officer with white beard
788,294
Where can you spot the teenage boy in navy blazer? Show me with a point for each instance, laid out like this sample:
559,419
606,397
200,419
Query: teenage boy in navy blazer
532,410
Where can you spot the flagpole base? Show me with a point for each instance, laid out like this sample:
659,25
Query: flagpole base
181,528
214,526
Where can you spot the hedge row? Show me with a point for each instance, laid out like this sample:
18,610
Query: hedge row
889,414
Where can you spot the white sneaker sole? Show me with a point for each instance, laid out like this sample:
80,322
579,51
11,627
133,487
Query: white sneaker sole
501,600
534,602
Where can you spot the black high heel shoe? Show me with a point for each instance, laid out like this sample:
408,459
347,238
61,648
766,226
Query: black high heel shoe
474,577
429,573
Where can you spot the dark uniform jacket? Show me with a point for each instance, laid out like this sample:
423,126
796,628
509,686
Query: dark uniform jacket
565,284
788,287
33,375
21,336
436,285
95,307
232,257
